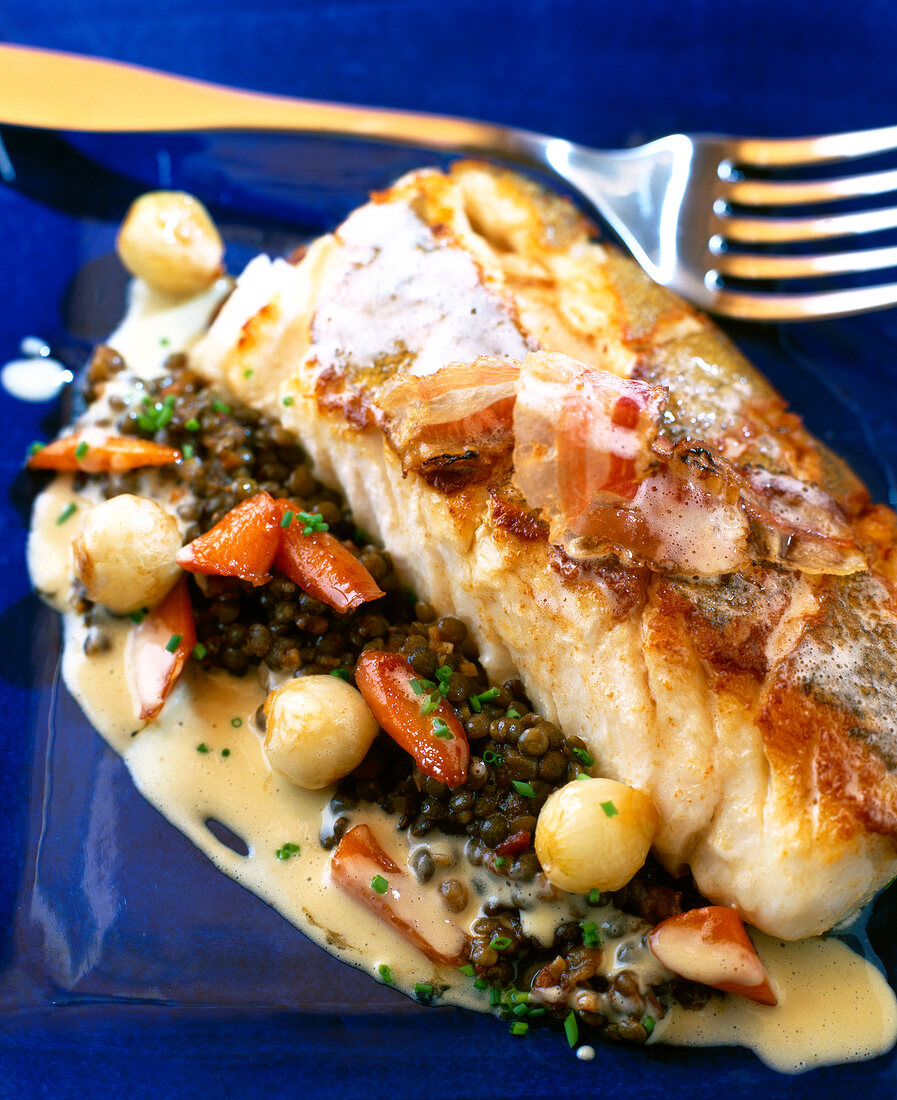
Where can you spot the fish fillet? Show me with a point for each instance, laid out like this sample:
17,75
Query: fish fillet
757,706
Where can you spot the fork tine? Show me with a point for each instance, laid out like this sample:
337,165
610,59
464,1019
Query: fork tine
799,192
758,230
791,152
801,307
745,265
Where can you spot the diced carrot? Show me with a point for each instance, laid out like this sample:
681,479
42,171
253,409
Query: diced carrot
361,868
160,647
321,566
112,455
711,946
242,544
435,738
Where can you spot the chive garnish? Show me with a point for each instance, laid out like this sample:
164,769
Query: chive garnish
500,943
423,987
192,425
430,704
441,730
648,1024
419,687
519,1027
590,937
492,757
571,1028
342,673
444,674
202,747
36,446
67,512
584,775
248,373
225,752
236,722
467,969
526,789
164,341
173,642
475,704
481,983
187,451
220,407
494,996
385,973
287,519
501,861
313,523
594,897
199,651
81,450
609,808
489,695
512,713
582,755
289,849
379,884
288,401
139,615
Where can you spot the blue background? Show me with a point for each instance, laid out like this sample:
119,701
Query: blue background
599,73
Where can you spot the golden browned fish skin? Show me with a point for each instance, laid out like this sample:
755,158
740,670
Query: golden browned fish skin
757,707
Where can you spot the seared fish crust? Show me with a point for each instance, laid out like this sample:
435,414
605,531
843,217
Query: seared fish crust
756,705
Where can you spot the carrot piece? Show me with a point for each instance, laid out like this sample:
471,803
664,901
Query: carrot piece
113,455
711,946
242,544
361,868
160,647
322,566
435,739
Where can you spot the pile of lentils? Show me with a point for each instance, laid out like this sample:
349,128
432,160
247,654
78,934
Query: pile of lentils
231,452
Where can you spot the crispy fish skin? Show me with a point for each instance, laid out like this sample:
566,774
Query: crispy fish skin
757,708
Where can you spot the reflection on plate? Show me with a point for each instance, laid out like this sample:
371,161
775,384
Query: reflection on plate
122,932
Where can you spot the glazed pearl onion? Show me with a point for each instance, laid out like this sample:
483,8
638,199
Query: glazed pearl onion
169,240
125,553
317,729
594,834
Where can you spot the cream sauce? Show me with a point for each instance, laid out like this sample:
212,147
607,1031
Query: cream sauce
202,760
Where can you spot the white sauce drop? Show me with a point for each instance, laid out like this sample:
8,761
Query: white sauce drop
34,379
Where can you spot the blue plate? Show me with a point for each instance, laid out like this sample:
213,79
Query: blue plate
118,940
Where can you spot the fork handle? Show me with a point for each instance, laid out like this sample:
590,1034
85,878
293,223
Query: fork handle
75,92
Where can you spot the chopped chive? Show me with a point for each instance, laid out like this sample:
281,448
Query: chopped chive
475,704
481,983
313,523
609,808
520,1010
288,401
423,987
236,722
281,854
164,341
173,642
648,1024
441,730
421,686
582,755
501,861
571,1029
291,848
139,615
385,973
519,1027
199,651
67,512
489,695
220,407
360,538
287,518
225,752
500,943
526,789
248,373
590,937
430,704
81,450
342,673
594,897
492,757
467,969
494,997
379,884
34,447
583,775
512,713
443,674
192,425
202,747
187,451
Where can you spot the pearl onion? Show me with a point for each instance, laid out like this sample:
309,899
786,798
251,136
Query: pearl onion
594,834
124,555
318,728
169,240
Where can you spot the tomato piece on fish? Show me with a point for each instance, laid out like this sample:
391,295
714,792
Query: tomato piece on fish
363,870
414,714
112,455
711,946
319,563
242,544
159,648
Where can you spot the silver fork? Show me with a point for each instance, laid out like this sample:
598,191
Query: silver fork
691,209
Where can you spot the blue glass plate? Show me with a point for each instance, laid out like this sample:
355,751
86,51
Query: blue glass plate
126,961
